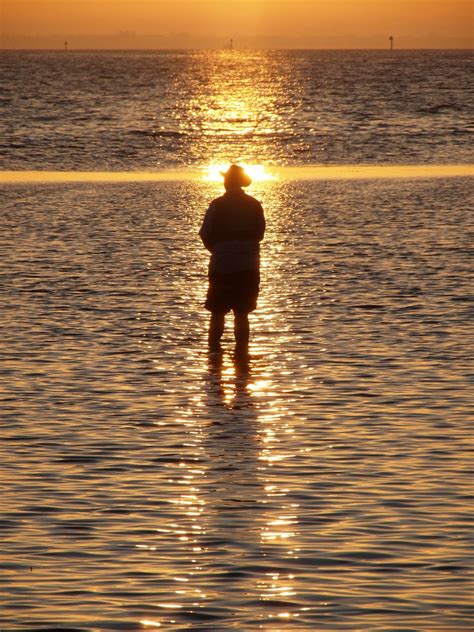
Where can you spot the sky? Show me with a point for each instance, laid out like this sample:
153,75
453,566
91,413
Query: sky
250,23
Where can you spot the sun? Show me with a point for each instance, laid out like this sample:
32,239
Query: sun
258,173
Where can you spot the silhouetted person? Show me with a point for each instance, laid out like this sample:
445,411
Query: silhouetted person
232,230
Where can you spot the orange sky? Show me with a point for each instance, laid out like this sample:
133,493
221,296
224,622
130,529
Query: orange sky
254,23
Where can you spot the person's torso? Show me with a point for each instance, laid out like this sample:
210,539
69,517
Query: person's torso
236,231
236,217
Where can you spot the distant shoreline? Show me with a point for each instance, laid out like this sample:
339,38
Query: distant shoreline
59,49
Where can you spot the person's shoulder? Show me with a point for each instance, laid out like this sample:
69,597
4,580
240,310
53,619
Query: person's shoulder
217,201
253,201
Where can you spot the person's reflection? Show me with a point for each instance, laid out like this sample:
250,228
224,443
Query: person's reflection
220,384
232,448
240,512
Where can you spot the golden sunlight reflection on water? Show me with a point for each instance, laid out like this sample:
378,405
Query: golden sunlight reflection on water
238,429
234,110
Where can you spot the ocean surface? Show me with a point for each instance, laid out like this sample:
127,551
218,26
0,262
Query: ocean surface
324,482
156,110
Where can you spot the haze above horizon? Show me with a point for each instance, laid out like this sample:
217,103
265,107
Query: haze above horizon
160,24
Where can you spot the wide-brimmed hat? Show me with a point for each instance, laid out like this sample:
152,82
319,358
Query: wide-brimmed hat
235,174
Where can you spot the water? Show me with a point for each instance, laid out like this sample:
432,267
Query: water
325,485
155,110
322,484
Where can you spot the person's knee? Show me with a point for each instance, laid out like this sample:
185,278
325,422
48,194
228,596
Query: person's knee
217,317
241,325
242,317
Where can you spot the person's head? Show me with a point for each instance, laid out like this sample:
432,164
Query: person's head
235,178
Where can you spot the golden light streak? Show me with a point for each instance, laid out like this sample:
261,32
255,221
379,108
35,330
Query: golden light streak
258,173
309,172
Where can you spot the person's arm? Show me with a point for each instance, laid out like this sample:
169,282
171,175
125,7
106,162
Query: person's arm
206,229
261,225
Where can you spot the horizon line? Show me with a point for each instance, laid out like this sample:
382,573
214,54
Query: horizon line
60,48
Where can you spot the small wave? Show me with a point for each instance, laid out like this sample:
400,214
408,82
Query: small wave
154,133
441,107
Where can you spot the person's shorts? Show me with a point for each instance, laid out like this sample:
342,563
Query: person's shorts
236,291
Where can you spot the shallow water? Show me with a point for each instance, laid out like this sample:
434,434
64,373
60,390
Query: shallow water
323,484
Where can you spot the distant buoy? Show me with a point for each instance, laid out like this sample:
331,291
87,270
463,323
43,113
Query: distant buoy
391,42
65,47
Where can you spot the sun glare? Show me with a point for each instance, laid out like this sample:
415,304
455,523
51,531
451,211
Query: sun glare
258,173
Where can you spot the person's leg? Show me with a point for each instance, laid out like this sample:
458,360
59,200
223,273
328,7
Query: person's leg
216,329
241,329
